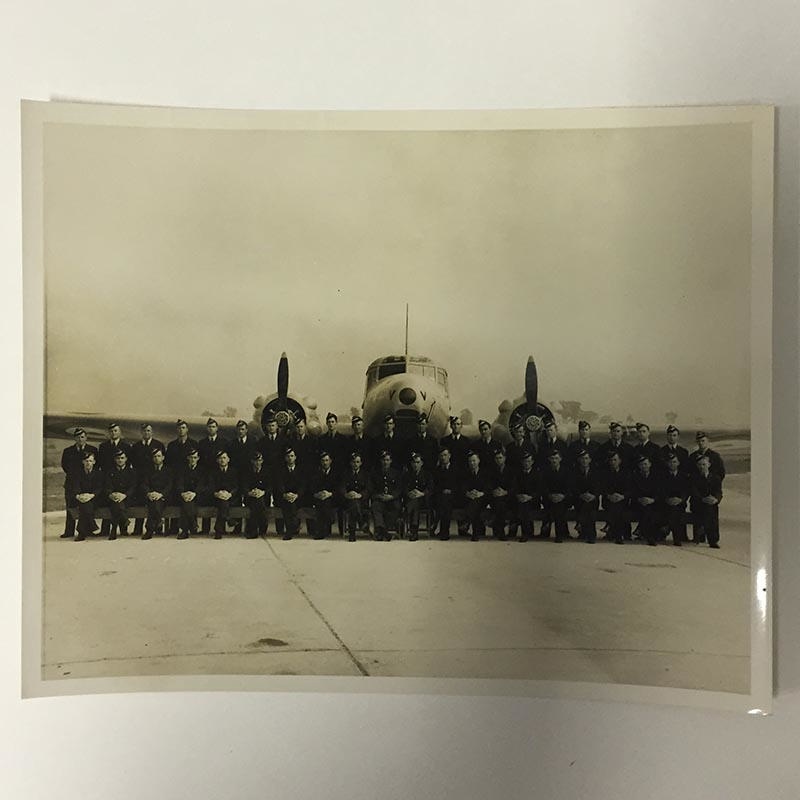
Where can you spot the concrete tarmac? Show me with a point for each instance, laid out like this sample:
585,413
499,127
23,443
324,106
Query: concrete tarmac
655,616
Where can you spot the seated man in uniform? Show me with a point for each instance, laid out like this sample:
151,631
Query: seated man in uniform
354,491
255,490
192,489
157,485
291,492
384,491
501,494
676,491
616,488
555,491
475,491
324,484
527,495
445,492
72,461
120,487
586,495
84,487
417,486
224,487
645,499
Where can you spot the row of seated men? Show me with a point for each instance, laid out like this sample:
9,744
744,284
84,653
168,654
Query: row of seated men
655,492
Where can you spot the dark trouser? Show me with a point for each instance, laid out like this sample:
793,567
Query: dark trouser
500,513
556,515
525,514
278,502
385,513
647,517
413,507
473,514
69,522
119,516
675,522
444,513
139,499
257,521
291,517
708,516
155,514
587,518
326,514
619,525
355,515
188,520
223,512
86,521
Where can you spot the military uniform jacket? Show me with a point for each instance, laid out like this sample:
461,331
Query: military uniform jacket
475,480
546,447
82,482
652,451
428,448
208,450
354,482
681,452
306,451
618,482
389,482
322,481
555,482
645,486
458,450
363,447
335,445
446,479
421,481
586,482
626,453
527,482
717,466
514,453
72,458
142,454
703,487
121,480
273,451
192,480
291,481
486,451
497,479
395,445
105,454
590,446
178,451
241,452
675,485
255,479
158,480
219,480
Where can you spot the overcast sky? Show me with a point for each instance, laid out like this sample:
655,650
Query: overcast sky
180,263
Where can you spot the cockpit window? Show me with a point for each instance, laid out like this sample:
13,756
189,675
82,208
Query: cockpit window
424,370
385,370
441,377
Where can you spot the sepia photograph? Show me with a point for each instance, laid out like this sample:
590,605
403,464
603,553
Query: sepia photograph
471,401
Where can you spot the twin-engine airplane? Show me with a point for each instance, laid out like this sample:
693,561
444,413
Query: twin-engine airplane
405,386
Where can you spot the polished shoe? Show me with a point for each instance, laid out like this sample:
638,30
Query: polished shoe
651,544
112,536
66,535
351,537
619,541
413,537
286,537
183,535
522,539
677,544
714,546
147,535
79,538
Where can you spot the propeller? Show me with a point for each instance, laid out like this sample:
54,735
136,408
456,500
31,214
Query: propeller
283,409
532,414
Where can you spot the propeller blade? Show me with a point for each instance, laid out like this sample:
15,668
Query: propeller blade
531,383
283,378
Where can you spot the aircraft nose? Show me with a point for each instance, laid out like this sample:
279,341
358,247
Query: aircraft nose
407,396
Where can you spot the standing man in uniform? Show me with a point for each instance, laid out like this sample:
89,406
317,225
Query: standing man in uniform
272,447
157,485
644,447
519,445
501,494
120,488
359,443
333,443
672,446
586,495
615,444
583,442
242,449
425,444
417,487
255,490
105,460
706,496
141,459
388,442
676,489
84,486
305,448
180,447
717,467
72,461
457,444
487,445
192,489
384,492
208,447
324,493
354,491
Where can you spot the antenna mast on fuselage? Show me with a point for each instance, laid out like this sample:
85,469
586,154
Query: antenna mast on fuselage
406,356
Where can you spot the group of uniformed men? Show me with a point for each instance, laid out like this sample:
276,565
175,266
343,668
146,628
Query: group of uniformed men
388,481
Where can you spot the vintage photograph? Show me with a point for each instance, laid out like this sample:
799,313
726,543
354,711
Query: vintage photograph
475,397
